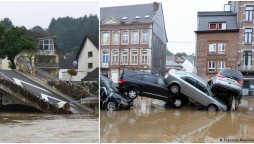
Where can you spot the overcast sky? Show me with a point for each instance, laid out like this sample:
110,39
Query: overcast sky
32,13
180,19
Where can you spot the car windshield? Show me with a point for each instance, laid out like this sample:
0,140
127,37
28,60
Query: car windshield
112,86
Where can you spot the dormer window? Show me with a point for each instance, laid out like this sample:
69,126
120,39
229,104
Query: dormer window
137,17
147,16
46,45
217,26
124,18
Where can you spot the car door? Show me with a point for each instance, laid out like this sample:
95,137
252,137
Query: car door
202,93
149,85
162,88
188,87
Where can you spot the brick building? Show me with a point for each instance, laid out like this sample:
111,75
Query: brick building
225,39
132,37
216,35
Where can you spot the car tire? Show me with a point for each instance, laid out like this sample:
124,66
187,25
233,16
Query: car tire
132,93
111,105
174,89
212,108
177,102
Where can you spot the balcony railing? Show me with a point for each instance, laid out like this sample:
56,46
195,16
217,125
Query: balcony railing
246,68
104,65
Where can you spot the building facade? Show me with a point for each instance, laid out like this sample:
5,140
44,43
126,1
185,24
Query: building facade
216,36
132,37
225,39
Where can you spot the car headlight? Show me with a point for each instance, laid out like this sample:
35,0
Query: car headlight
124,103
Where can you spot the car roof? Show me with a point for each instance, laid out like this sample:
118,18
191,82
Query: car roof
196,77
137,72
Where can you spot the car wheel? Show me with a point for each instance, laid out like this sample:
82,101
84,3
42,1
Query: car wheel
132,93
174,89
212,108
111,105
177,102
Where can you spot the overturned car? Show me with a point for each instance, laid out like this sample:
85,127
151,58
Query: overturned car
227,85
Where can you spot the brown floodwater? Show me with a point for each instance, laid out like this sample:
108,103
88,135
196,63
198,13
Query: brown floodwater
150,121
37,128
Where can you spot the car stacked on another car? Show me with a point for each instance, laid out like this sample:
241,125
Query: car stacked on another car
138,83
227,84
111,98
195,88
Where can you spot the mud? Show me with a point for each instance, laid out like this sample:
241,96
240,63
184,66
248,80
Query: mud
151,121
37,128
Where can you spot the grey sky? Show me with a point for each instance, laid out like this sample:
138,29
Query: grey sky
32,13
180,18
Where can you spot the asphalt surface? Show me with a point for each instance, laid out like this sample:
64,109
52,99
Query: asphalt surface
36,89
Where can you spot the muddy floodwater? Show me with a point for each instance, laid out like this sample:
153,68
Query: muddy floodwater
27,127
150,121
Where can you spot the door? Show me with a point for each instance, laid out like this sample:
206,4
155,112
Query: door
202,93
188,87
162,88
149,86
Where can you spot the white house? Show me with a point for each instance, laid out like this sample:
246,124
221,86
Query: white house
87,59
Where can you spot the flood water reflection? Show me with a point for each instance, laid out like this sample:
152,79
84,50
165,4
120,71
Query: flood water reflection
34,127
150,121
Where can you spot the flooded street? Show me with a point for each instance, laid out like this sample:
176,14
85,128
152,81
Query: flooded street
27,127
150,121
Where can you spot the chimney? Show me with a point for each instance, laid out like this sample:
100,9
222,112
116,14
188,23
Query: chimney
227,7
155,6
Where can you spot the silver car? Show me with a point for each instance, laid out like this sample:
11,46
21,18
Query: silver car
195,88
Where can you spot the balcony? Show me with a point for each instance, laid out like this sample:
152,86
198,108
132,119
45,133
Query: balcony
246,68
104,65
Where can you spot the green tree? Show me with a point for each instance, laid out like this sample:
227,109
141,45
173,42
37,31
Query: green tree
182,54
7,23
13,41
169,53
37,29
72,72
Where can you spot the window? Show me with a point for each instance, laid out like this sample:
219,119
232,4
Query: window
248,13
212,48
115,57
150,79
134,37
90,65
105,56
161,82
134,57
137,77
202,88
190,80
124,57
115,40
221,48
125,37
90,54
217,48
211,66
217,26
247,56
221,65
144,57
248,36
145,37
46,44
105,38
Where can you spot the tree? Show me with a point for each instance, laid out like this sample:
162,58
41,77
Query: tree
182,54
37,29
72,72
7,23
169,53
13,41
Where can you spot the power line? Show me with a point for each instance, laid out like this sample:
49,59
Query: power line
180,42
